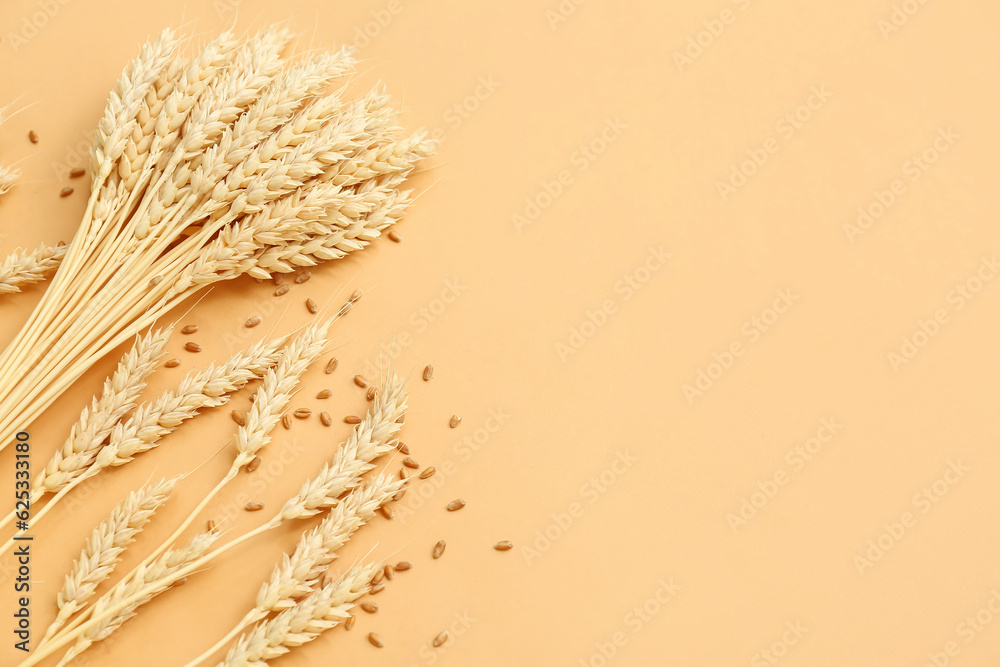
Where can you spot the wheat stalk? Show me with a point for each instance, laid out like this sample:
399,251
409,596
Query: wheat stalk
25,267
299,574
103,549
369,438
199,168
303,622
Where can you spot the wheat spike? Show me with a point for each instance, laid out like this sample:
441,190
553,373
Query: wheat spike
298,574
25,267
209,388
369,440
88,434
276,391
303,622
104,547
138,591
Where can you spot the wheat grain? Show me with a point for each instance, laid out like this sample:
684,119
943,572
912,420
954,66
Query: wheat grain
104,547
28,266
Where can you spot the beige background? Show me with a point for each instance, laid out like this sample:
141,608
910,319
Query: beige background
842,104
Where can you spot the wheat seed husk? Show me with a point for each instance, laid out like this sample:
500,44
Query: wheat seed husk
440,639
438,549
331,366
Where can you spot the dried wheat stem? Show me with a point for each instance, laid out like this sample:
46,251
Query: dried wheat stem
103,549
90,431
25,267
96,422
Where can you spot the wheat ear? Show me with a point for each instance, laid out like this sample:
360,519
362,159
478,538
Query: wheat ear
297,575
104,547
90,431
270,400
25,267
302,623
313,496
150,582
88,434
369,440
152,421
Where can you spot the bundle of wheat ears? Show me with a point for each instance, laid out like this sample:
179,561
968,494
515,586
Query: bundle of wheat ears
234,160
